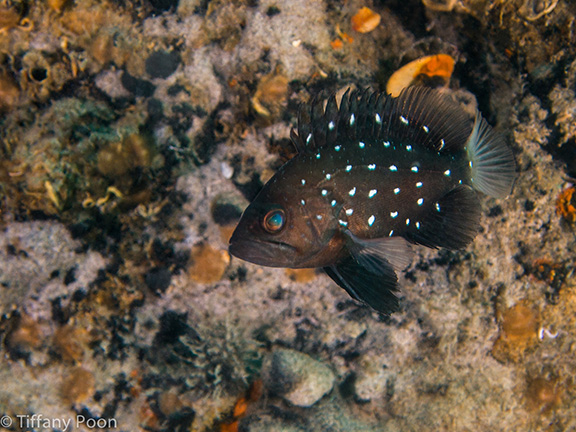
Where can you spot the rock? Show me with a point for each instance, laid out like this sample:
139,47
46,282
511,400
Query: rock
297,377
266,423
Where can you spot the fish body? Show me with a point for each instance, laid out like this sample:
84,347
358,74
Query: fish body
371,178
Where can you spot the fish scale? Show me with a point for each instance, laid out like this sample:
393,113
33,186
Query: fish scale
371,179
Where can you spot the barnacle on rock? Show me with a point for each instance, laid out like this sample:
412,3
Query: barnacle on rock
43,73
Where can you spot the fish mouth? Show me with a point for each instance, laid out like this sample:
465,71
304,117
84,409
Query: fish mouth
266,253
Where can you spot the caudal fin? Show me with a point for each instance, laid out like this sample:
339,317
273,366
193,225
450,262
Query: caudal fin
491,160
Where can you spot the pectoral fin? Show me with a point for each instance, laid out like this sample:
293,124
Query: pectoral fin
375,287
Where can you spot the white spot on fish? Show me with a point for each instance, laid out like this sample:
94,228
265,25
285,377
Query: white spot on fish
324,192
343,223
417,225
442,144
378,118
352,119
437,207
393,214
361,144
470,163
328,176
337,148
319,217
317,155
331,125
396,191
404,120
420,201
426,129
372,193
348,168
393,168
372,167
302,202
419,184
391,233
333,203
414,169
303,182
371,220
447,173
352,191
408,147
308,138
386,144
407,222
349,212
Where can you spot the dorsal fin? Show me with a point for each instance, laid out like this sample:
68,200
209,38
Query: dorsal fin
429,118
420,115
318,127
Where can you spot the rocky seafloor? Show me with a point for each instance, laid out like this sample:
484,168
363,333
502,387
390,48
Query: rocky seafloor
134,133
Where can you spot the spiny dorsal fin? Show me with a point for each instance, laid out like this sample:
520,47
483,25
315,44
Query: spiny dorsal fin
419,115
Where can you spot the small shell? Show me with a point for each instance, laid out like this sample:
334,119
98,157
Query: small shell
439,66
365,20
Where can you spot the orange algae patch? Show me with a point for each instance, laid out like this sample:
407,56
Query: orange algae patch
337,44
518,333
365,20
435,68
78,386
241,406
301,275
208,264
70,342
26,335
566,205
543,394
9,18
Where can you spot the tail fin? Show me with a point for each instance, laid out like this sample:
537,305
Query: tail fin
491,160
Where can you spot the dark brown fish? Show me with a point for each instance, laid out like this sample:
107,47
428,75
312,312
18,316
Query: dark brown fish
371,178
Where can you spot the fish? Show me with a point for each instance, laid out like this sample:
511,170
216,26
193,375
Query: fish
373,178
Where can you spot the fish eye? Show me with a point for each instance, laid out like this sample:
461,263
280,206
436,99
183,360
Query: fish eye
274,221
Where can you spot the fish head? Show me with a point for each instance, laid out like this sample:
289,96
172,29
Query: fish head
286,226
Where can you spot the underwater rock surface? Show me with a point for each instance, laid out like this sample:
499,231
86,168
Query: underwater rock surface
132,136
296,377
